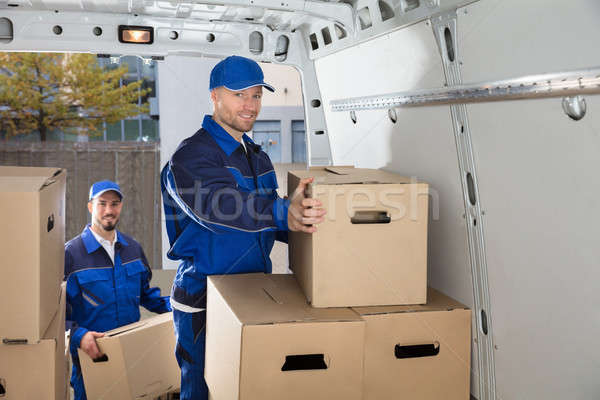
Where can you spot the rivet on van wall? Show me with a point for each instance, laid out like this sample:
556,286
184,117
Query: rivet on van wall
575,107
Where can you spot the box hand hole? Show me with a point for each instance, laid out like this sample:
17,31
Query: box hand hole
417,350
302,362
14,341
370,217
50,222
102,358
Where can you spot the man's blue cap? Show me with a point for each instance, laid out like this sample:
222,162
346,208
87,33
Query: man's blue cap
237,73
101,187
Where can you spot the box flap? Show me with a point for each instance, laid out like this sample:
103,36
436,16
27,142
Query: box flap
27,179
124,329
350,175
272,298
436,301
320,167
56,329
127,329
341,170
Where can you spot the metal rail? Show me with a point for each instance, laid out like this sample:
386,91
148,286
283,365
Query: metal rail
445,31
585,81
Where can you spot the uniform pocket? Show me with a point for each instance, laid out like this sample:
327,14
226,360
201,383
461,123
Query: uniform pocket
134,270
95,285
91,298
134,267
93,275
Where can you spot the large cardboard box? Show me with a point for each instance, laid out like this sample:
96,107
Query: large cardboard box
420,352
264,341
139,364
372,247
32,207
36,371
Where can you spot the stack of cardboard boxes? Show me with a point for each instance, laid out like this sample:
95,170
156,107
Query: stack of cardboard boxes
32,318
140,361
372,329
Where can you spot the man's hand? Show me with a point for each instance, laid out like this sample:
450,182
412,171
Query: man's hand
304,213
89,345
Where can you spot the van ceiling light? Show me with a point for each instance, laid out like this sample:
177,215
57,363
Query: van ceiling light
136,34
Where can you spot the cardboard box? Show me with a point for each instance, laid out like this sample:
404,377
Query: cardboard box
263,341
32,205
37,371
372,247
418,352
140,361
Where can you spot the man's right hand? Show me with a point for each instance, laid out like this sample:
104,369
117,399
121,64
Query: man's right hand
89,345
304,213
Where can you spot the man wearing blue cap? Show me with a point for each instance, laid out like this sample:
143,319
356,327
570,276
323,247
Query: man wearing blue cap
222,210
107,276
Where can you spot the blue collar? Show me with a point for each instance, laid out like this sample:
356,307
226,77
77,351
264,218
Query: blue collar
90,242
227,143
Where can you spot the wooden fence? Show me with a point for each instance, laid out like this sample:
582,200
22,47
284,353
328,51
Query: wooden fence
135,166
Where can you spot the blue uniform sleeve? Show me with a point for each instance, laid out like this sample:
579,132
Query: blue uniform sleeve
150,297
208,194
77,332
76,337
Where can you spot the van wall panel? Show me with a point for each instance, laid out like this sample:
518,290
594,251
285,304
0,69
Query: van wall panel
537,173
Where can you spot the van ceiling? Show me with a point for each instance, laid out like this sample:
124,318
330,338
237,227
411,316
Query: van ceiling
286,31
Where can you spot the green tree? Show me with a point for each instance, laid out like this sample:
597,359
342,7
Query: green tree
49,91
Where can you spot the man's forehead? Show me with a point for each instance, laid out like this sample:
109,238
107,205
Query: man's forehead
250,90
110,195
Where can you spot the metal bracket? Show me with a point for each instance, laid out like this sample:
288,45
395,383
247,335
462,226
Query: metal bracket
558,84
318,147
444,29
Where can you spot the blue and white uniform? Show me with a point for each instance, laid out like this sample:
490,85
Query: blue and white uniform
103,294
223,215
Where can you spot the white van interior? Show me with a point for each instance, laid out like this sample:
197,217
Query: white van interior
494,103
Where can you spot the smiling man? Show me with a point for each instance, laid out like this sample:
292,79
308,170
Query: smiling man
107,276
222,210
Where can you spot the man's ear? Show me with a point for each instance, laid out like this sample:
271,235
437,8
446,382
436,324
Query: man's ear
213,95
90,206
